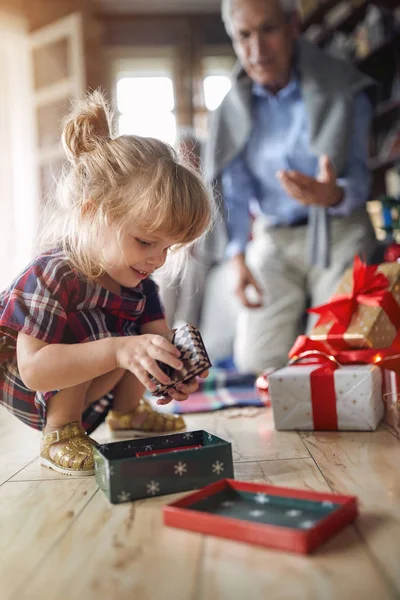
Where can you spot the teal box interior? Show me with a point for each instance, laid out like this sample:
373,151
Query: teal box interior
166,468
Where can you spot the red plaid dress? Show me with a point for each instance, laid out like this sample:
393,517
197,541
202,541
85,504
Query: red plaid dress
51,302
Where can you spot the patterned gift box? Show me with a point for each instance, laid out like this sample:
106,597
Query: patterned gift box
193,356
146,467
391,397
371,295
318,397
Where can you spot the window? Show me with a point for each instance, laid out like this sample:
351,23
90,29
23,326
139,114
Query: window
145,106
215,89
143,90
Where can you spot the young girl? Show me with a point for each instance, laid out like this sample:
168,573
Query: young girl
82,327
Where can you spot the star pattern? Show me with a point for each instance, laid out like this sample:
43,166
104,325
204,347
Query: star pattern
293,513
103,447
187,436
307,524
218,467
153,488
256,513
124,496
261,498
180,468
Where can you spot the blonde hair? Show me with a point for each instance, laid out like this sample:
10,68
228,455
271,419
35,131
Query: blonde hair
113,180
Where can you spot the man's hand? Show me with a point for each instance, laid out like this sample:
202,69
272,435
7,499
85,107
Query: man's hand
244,279
322,191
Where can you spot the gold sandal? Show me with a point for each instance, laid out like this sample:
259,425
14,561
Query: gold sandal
75,457
154,422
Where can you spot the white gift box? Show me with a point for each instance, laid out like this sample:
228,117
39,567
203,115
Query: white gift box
348,398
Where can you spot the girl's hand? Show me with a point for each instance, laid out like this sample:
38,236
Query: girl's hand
138,354
183,390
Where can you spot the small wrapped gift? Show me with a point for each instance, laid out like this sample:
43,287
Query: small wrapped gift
391,398
193,355
364,312
327,397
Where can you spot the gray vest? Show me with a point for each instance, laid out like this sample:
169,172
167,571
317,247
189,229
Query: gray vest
329,86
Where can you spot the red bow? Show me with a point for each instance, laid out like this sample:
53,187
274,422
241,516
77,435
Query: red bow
388,358
369,288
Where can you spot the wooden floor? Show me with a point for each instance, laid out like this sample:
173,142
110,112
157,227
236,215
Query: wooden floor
61,539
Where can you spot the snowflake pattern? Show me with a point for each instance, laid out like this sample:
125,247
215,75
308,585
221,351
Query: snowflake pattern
293,513
187,436
148,448
124,496
227,504
103,447
327,504
210,437
261,498
153,488
180,468
307,524
256,513
111,470
218,467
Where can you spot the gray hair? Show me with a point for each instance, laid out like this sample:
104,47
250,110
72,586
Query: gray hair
288,6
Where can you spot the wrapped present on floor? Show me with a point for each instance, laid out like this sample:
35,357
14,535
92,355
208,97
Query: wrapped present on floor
364,312
326,395
391,398
193,356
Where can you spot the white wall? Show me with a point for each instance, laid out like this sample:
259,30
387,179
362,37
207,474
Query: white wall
18,174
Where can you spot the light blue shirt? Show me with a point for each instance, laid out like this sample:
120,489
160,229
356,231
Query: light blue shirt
280,141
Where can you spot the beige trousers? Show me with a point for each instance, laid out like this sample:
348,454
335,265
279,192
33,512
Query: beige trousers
262,337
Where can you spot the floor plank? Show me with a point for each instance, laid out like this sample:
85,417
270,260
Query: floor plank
121,552
252,434
234,571
368,466
19,444
133,555
33,517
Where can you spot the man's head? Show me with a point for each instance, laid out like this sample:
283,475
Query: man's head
263,34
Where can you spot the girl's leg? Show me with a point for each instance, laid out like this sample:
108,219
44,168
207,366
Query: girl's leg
131,412
68,405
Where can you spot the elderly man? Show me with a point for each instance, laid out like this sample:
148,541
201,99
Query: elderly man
289,147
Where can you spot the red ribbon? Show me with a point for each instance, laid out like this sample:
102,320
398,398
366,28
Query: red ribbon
369,288
387,358
323,395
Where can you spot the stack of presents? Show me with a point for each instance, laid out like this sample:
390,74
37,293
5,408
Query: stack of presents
345,375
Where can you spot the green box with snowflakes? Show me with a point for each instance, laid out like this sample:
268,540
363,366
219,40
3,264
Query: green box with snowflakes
155,466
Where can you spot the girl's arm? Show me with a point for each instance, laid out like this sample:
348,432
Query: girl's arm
47,367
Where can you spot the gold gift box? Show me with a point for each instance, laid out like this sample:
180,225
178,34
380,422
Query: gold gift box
370,326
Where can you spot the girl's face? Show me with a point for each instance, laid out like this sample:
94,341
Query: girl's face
134,256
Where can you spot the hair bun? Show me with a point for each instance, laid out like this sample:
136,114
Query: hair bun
87,125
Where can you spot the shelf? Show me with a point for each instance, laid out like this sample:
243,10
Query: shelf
346,23
378,53
318,13
378,164
385,108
